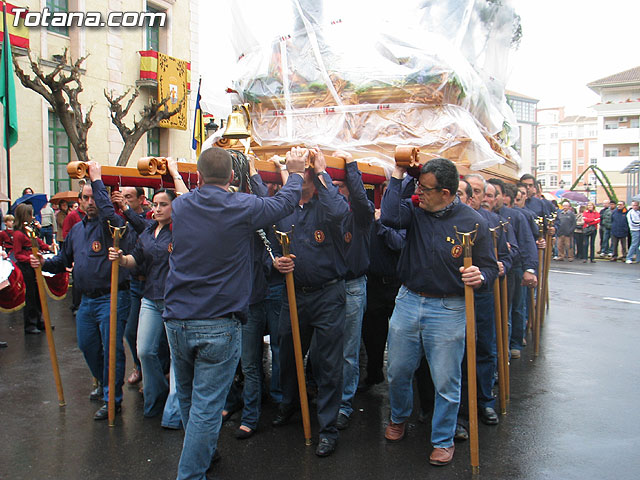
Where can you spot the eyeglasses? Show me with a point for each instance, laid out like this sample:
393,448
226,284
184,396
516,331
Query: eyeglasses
426,189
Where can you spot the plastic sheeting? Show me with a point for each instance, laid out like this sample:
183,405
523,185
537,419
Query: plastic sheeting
366,76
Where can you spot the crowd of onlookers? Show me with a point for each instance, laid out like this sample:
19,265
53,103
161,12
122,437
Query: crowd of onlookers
615,226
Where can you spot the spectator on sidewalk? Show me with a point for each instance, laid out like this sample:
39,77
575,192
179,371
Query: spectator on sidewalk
619,230
565,226
633,220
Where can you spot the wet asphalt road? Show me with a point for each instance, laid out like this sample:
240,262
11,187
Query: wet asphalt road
573,413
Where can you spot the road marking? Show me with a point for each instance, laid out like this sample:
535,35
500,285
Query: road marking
572,273
623,300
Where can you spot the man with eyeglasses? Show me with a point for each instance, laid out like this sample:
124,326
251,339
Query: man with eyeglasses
86,247
429,316
533,203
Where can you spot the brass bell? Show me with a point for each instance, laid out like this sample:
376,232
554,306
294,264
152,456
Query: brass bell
237,127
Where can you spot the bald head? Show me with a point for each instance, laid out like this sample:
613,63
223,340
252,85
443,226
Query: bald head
214,166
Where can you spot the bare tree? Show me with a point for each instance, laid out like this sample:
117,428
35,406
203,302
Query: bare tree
151,116
61,88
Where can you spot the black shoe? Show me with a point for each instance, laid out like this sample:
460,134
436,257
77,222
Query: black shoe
342,422
229,413
488,416
32,331
96,394
4,344
326,447
215,459
461,433
42,327
242,434
284,416
103,413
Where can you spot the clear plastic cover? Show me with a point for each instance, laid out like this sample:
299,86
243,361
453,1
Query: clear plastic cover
366,76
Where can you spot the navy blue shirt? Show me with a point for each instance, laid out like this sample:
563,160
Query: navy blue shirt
504,255
210,268
86,247
538,206
531,221
317,236
357,224
433,255
386,244
519,225
151,253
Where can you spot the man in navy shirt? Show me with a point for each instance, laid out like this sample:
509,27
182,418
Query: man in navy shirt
207,293
319,271
356,241
86,247
486,350
429,316
525,262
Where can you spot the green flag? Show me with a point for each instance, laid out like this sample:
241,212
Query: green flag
8,87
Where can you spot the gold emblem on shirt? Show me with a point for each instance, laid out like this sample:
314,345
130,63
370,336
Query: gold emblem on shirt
456,251
347,237
170,247
319,236
96,246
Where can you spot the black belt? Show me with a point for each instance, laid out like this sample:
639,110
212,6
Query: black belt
315,288
100,292
436,295
385,280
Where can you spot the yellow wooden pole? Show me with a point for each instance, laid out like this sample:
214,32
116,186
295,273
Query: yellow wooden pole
283,238
116,233
497,305
47,321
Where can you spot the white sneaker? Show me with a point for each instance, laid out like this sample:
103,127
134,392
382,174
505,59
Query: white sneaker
629,261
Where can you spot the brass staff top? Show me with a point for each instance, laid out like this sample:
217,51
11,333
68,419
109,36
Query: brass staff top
285,241
466,239
117,233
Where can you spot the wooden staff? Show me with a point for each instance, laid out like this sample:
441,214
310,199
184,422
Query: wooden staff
547,263
116,233
504,293
498,320
532,309
45,315
539,290
285,241
467,242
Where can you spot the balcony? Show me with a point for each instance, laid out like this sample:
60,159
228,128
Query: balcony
620,135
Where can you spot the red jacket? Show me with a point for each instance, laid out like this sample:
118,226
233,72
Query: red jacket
591,218
70,220
6,240
22,246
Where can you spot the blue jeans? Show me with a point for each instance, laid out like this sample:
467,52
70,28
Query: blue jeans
252,341
354,310
131,330
517,312
605,248
92,328
151,336
171,414
47,234
633,248
434,327
486,350
205,355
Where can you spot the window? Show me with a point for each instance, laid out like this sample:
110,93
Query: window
543,181
59,156
593,131
542,165
593,161
554,134
553,180
567,179
610,125
633,151
635,123
611,152
58,6
153,32
566,164
153,142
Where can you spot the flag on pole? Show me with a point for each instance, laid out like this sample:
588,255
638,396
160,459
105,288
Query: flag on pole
199,135
8,87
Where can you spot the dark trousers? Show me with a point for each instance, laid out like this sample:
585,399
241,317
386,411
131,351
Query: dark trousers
321,315
131,329
579,239
381,298
32,312
589,245
623,246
